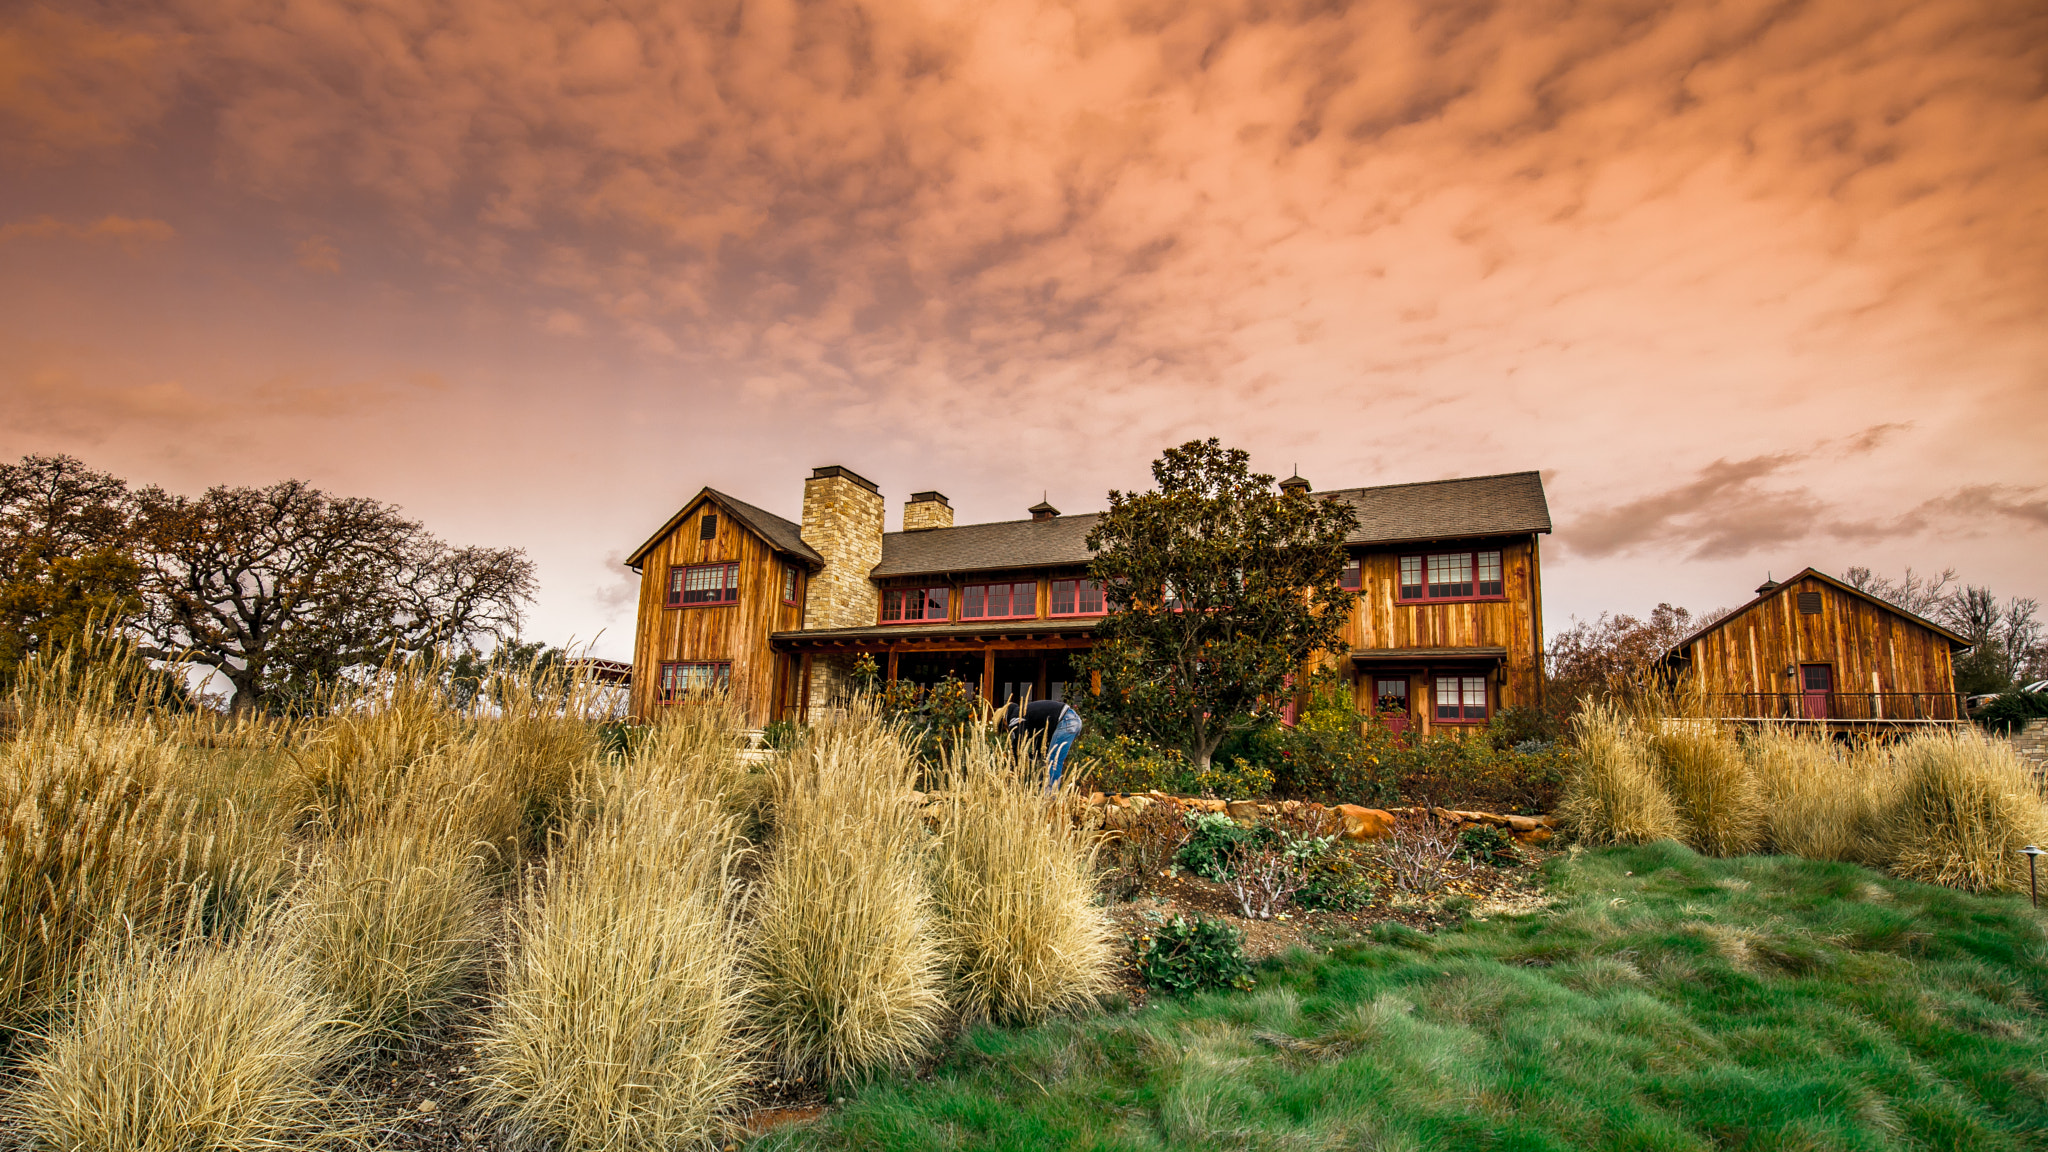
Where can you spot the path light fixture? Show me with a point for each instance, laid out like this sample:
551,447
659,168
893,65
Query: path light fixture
2033,893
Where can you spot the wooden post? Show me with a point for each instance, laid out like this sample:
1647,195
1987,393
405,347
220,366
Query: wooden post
988,674
804,691
892,666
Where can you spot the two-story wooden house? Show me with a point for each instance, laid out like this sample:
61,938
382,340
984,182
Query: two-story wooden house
1448,629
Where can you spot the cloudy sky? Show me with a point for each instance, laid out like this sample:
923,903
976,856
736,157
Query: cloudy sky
1758,285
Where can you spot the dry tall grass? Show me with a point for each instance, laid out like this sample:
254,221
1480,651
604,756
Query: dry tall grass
1613,795
1965,806
1015,882
1702,767
1820,801
846,946
621,1024
207,1048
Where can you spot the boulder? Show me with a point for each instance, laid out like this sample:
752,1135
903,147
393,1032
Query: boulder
1201,805
1097,799
1242,809
1365,823
1533,837
1523,823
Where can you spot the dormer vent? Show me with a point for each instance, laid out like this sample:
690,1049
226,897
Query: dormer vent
1043,510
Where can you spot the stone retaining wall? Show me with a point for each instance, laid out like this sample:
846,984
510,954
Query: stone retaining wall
2031,739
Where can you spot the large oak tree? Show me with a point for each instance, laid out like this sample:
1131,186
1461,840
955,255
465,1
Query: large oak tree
65,554
1220,589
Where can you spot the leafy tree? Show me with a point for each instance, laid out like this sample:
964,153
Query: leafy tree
280,589
1219,590
1613,655
65,554
2005,636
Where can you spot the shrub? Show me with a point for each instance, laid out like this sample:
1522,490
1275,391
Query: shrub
846,950
1517,727
1526,778
207,1048
1703,769
1488,845
1817,802
1329,754
1614,795
1239,780
1125,764
621,1023
1964,808
1336,880
1182,957
1014,880
1212,836
1142,842
1264,873
1421,854
2010,710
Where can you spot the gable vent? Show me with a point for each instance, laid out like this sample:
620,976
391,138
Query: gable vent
707,528
1809,603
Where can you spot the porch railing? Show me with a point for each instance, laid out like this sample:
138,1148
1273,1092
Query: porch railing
1847,707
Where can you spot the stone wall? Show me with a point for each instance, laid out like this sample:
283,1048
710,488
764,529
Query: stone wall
831,678
843,521
2032,741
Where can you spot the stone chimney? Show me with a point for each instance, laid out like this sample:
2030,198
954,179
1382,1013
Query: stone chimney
1043,510
843,521
927,510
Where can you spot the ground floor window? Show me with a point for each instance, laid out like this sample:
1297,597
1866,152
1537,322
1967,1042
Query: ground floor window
1461,698
691,678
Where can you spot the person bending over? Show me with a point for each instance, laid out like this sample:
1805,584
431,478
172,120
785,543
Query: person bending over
1050,723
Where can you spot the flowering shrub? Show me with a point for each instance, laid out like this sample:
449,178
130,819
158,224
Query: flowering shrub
1123,764
1330,755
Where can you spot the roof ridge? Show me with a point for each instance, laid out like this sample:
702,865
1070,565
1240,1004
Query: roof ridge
988,524
1536,472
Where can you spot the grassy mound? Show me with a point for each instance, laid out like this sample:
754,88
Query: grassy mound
1670,1001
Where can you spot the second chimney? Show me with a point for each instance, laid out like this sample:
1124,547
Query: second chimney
843,521
927,510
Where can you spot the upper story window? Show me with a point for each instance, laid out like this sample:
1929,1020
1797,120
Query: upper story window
902,605
707,528
790,585
1076,598
1352,576
691,679
696,585
1452,576
999,601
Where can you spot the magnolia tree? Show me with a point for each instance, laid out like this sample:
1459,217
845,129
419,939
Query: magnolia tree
1219,589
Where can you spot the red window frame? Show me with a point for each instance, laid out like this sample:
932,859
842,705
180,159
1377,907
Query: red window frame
1464,690
934,604
1353,575
1419,577
973,596
1085,598
673,686
792,585
727,585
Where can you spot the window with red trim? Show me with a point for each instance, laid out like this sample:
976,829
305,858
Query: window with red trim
1460,698
1352,576
1077,598
908,605
1452,576
689,679
697,585
999,601
790,585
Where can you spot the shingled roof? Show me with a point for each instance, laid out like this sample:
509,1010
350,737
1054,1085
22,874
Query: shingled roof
782,535
1510,504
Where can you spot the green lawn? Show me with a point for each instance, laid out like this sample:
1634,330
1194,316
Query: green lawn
1667,1001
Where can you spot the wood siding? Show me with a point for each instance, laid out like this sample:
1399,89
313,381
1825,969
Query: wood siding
1870,649
735,632
1513,622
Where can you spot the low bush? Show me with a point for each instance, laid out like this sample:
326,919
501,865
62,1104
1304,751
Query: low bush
1184,956
1142,842
1330,754
1614,795
1965,807
1212,837
1235,779
1488,845
1014,881
208,1047
1703,768
1422,854
1468,770
2010,710
1124,764
1336,878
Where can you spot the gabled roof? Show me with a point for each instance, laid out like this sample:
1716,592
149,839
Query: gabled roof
985,547
1508,504
1955,641
781,535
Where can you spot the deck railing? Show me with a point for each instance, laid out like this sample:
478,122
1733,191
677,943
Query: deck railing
1841,707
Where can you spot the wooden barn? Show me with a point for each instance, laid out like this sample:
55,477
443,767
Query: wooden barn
1813,649
1448,629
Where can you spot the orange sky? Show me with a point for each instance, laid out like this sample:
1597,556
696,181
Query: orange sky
1758,285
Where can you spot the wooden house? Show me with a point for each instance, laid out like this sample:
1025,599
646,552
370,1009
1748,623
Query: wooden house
1813,649
1448,629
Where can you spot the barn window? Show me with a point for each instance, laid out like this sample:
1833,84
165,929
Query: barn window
1351,576
693,678
1809,603
1452,576
696,585
789,583
903,605
707,528
1076,598
999,601
1460,698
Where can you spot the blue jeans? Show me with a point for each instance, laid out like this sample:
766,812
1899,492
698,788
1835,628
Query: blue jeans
1063,736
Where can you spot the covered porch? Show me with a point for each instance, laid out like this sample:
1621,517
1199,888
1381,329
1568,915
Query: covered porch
1016,661
1421,690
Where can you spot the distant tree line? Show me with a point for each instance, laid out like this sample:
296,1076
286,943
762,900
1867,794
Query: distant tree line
279,589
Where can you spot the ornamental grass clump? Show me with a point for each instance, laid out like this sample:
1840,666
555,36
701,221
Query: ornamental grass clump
1613,795
846,947
1819,802
208,1047
1703,770
1964,808
1015,884
622,1021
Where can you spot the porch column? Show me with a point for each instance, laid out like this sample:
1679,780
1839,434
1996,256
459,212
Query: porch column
988,674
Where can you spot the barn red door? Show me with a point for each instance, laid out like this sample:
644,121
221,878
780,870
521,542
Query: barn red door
1391,702
1818,681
